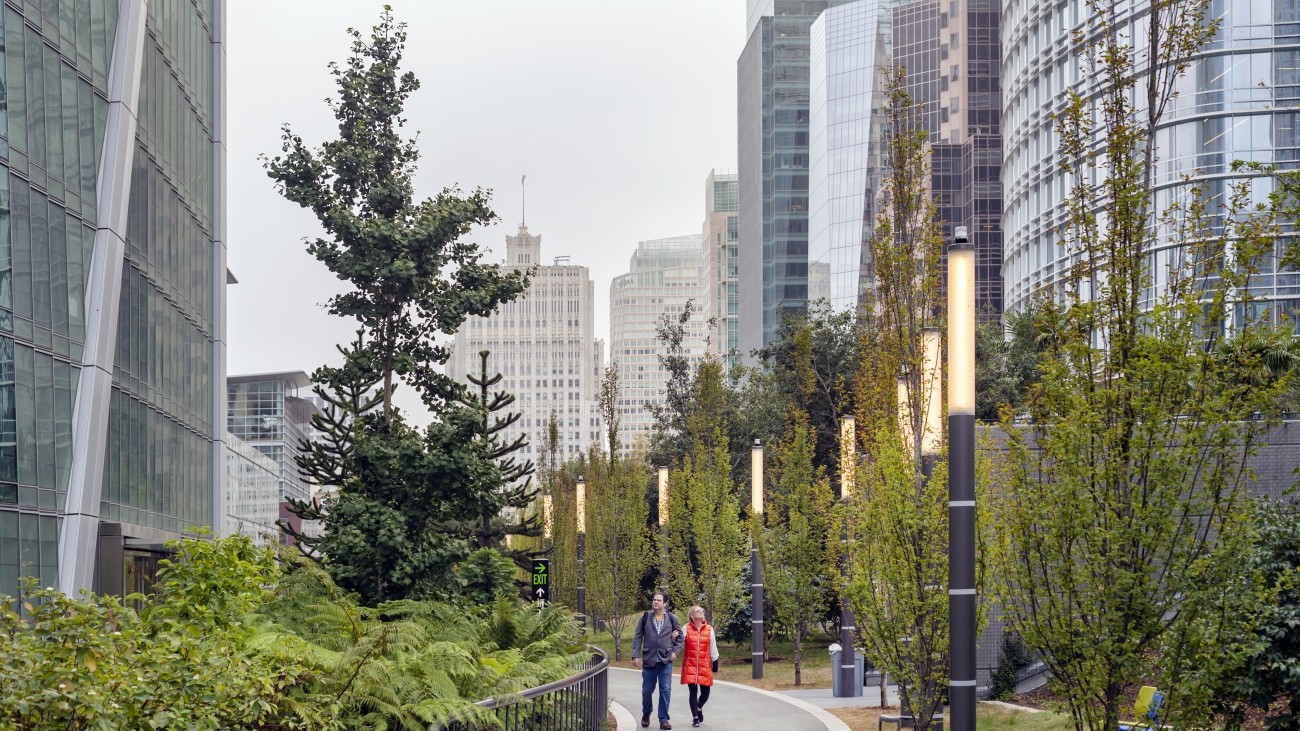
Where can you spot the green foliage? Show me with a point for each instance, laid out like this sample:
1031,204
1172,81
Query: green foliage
1269,680
898,517
395,527
826,392
485,575
95,664
407,664
618,550
1122,522
706,541
1011,660
411,276
1005,365
794,539
506,516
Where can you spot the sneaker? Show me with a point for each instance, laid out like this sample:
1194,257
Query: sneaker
645,721
696,722
665,726
699,715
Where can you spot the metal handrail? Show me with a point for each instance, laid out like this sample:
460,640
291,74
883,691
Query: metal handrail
577,703
598,663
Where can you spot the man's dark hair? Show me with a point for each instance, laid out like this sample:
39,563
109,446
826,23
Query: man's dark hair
663,594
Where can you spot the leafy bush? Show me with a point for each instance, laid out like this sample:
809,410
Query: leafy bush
96,664
235,639
1011,660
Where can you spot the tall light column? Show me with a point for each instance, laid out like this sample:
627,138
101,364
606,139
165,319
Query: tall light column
582,549
932,392
756,567
848,478
961,480
663,528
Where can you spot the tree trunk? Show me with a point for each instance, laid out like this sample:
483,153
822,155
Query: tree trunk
798,655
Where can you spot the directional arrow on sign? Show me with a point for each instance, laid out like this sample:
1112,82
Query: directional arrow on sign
541,593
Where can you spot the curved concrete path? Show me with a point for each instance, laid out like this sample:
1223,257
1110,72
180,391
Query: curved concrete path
731,706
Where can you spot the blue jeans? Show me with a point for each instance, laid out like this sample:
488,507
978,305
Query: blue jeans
663,673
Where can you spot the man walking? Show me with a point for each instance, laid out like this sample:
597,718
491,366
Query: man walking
656,644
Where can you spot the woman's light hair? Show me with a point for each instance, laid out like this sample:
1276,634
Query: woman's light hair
690,617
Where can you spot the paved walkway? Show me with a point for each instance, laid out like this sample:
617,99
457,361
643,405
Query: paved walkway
731,706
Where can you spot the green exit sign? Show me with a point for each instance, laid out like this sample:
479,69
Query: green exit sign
541,587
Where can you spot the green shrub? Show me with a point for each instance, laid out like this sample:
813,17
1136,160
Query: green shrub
1011,660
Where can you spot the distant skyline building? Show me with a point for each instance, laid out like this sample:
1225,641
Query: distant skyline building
252,492
543,345
721,236
772,135
849,59
663,275
112,309
1236,101
272,412
949,54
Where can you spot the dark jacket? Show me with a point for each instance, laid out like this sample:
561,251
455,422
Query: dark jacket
655,648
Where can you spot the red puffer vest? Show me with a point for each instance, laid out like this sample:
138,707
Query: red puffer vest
697,667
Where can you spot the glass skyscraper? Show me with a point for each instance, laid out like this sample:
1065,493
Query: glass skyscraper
663,275
1237,101
112,285
850,58
721,233
772,118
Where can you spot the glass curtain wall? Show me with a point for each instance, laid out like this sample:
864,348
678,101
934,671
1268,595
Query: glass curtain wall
54,66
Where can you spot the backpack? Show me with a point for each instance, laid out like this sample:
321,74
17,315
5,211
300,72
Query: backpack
672,620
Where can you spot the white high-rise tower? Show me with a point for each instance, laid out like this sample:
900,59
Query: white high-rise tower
543,346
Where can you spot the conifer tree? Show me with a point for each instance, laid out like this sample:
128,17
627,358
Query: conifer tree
410,278
516,492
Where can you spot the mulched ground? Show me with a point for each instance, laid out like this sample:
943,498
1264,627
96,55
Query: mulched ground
1046,700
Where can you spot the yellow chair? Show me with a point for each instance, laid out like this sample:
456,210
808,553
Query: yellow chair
1146,708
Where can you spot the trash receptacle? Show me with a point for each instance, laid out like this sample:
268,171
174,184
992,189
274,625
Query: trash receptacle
856,689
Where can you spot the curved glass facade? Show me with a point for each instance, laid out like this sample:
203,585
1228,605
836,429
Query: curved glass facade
851,48
1237,101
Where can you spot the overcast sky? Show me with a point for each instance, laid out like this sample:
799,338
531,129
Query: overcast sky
616,110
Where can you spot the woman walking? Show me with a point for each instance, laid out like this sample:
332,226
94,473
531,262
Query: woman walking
699,660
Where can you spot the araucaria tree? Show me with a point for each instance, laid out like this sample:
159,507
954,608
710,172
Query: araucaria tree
617,548
1124,494
899,552
411,278
516,493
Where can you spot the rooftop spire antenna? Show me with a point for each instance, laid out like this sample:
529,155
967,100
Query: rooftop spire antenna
523,213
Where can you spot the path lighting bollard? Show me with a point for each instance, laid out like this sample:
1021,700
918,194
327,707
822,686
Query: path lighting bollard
961,479
756,566
848,472
582,551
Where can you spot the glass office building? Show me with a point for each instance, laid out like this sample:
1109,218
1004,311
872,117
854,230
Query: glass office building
851,50
721,234
772,119
1237,101
112,277
663,275
270,413
949,53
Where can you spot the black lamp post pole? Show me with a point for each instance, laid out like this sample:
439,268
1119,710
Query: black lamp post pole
756,566
961,480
